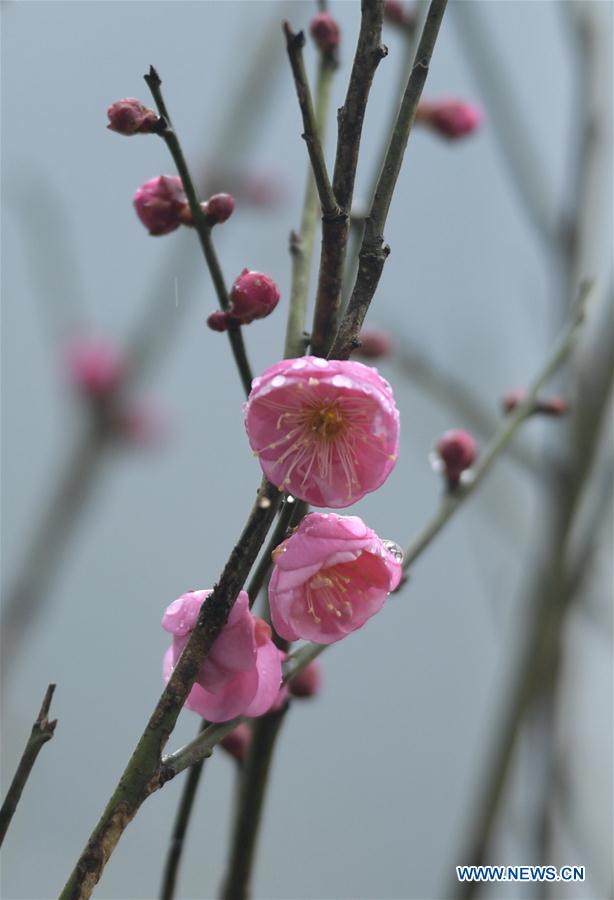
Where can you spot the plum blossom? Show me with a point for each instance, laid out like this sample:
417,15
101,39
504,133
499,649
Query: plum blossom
161,205
450,118
241,674
95,366
326,431
129,116
329,577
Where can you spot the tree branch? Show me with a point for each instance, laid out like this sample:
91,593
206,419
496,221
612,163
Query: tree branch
452,501
369,52
202,227
143,773
374,251
301,244
42,731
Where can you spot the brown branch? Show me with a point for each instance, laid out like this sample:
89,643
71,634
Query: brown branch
373,251
144,772
311,136
42,731
335,229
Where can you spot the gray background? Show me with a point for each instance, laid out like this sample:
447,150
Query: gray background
373,782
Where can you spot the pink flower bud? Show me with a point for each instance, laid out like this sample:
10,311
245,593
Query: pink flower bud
449,118
218,208
329,578
252,296
457,451
326,431
95,366
308,682
237,743
129,116
161,204
374,344
546,406
394,11
325,32
218,321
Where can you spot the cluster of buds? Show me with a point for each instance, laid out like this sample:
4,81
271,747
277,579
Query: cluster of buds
454,454
451,119
545,406
325,32
162,206
253,295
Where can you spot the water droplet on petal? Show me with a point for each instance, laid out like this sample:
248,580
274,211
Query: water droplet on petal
320,363
299,364
278,381
394,550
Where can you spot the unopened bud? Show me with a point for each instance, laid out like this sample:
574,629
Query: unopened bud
252,296
308,682
325,32
236,743
397,13
218,321
546,406
456,452
161,204
95,367
374,344
218,208
449,118
129,116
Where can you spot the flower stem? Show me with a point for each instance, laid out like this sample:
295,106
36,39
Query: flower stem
202,227
182,820
250,806
290,515
499,443
42,731
301,245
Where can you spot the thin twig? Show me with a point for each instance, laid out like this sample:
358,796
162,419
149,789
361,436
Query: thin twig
42,731
182,820
201,226
294,47
369,52
374,251
453,500
290,515
301,244
143,773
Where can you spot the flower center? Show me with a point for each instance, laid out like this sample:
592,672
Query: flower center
326,421
328,590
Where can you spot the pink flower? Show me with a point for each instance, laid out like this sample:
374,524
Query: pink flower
327,431
450,118
161,204
218,208
253,296
242,673
95,366
456,451
325,32
129,116
329,577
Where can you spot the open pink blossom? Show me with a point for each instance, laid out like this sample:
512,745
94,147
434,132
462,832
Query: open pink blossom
329,577
327,431
95,366
242,673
